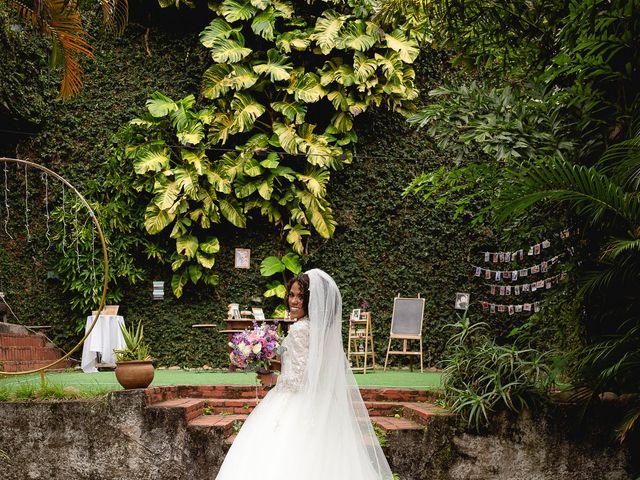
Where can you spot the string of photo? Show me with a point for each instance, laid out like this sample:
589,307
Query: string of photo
545,283
536,249
511,309
500,275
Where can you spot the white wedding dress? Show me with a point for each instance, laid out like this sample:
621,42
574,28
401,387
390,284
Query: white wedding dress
313,425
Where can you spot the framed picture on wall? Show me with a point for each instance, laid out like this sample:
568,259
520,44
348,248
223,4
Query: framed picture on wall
462,301
243,258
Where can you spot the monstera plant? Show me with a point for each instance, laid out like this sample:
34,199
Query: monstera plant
283,92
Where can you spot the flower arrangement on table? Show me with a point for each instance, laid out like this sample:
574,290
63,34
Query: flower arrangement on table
255,348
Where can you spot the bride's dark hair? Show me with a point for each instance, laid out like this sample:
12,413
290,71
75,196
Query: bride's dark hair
303,281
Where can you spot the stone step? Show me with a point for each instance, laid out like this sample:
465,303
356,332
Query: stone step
189,408
226,423
422,412
394,424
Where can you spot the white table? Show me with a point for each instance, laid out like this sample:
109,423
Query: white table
104,338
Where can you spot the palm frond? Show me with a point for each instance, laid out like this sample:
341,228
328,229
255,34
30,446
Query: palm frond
586,189
116,15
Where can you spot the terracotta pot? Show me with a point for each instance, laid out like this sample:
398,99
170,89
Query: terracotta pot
135,373
267,378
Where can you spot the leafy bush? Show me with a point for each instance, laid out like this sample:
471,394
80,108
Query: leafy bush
482,376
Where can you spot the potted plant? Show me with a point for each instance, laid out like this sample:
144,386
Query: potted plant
134,367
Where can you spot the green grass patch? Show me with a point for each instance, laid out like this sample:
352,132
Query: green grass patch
75,384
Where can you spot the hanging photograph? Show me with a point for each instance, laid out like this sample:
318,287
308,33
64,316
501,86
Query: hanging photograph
462,301
243,258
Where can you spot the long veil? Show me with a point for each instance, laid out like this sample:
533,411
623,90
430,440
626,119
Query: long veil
339,419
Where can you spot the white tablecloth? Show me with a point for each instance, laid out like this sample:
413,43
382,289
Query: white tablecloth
104,337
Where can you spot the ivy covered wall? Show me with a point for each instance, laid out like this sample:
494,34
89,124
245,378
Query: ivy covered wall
384,244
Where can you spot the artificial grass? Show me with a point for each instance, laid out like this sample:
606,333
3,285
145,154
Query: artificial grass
101,382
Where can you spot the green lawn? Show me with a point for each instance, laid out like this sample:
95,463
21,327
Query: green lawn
89,383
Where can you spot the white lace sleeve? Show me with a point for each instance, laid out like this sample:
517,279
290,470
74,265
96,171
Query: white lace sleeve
294,358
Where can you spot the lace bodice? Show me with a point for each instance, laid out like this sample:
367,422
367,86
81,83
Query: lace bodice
295,356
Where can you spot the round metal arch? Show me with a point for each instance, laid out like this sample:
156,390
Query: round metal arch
104,254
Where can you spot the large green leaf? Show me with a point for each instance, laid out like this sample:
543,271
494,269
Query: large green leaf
153,159
294,111
294,236
264,24
187,245
363,66
166,195
156,220
276,67
187,180
210,246
293,40
275,289
241,77
195,272
270,266
226,50
160,105
207,261
292,263
356,38
215,81
307,89
246,111
316,180
233,10
326,30
407,49
218,28
252,168
192,134
178,281
233,212
287,136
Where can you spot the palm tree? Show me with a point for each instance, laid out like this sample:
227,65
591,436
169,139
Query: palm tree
60,22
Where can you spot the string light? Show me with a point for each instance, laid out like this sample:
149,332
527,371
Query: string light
45,177
26,203
64,223
6,202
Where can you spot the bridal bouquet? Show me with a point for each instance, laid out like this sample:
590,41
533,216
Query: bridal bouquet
255,348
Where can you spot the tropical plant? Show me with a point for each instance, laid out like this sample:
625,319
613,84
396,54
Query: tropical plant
136,347
61,23
482,377
285,89
274,266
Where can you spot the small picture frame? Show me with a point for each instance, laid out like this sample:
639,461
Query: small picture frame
243,258
355,314
462,301
235,312
258,314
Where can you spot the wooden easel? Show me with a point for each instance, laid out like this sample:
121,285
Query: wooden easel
406,324
361,335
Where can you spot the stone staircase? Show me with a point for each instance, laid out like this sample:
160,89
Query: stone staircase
224,408
21,349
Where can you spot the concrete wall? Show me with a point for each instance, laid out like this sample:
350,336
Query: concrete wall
117,438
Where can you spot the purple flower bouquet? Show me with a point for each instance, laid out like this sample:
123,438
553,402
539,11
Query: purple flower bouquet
254,349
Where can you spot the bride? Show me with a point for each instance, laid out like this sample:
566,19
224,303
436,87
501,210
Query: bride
313,425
